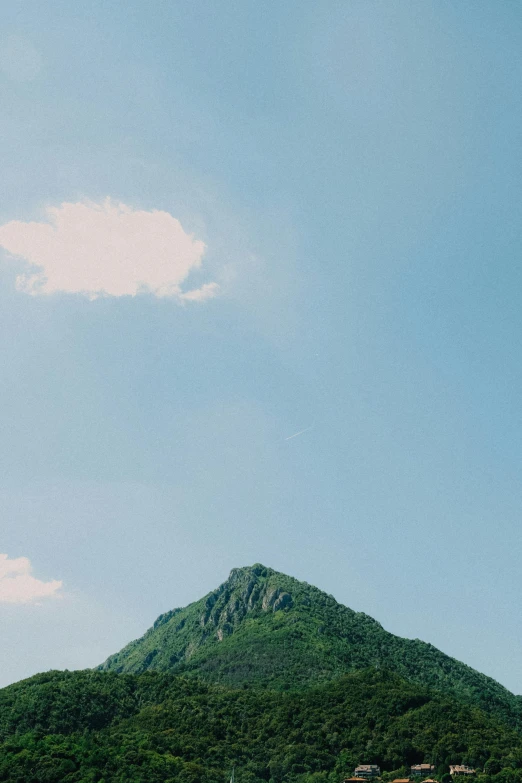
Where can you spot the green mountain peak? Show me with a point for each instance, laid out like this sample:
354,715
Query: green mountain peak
265,629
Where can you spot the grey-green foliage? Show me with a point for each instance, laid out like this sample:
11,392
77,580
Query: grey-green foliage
269,630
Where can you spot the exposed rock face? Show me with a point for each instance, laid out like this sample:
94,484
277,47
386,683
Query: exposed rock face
247,591
283,601
276,599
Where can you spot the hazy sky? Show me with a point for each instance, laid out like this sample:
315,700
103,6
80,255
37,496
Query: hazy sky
222,224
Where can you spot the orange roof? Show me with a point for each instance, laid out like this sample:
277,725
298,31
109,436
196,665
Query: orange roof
403,780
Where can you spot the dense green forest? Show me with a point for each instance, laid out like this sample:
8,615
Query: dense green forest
267,676
90,726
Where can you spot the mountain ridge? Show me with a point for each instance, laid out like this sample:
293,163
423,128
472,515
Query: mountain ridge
267,629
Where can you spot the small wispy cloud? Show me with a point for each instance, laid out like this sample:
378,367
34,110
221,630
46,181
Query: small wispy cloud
107,249
19,586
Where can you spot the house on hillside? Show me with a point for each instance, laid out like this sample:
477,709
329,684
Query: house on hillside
461,769
422,769
367,771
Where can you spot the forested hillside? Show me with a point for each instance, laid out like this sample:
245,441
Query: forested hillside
154,727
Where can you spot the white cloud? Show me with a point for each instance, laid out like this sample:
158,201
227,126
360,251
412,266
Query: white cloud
207,291
19,586
107,249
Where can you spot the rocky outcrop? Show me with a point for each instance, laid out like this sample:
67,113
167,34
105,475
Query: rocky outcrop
276,599
283,601
247,591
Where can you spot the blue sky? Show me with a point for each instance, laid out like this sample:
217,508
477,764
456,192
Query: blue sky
345,177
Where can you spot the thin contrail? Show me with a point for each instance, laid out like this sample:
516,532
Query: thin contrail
299,433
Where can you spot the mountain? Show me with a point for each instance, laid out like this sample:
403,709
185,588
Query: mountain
266,629
268,676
